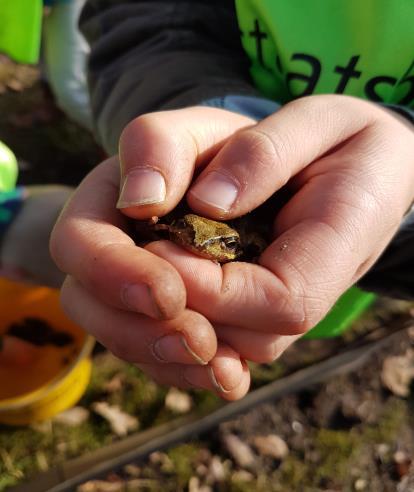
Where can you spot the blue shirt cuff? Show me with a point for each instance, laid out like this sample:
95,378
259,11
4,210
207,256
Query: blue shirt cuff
254,107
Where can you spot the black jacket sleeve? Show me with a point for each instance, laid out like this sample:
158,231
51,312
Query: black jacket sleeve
149,55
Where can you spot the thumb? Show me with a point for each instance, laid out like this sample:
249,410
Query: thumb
160,151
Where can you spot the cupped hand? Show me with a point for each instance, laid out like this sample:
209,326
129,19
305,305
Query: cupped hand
133,301
349,165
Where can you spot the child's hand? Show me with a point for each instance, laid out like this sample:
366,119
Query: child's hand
134,301
350,164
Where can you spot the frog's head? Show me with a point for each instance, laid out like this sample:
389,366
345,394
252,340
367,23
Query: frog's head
207,238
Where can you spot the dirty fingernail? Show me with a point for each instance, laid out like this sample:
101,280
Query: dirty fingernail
138,298
142,186
216,190
215,382
174,348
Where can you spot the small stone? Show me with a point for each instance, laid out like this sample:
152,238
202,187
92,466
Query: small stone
241,452
400,456
177,401
73,417
201,470
242,476
398,372
382,451
217,470
194,485
161,460
156,458
360,484
101,486
402,463
297,427
115,384
410,330
62,447
271,445
132,470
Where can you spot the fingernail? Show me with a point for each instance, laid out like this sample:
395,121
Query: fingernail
142,186
214,381
217,190
138,298
196,357
169,347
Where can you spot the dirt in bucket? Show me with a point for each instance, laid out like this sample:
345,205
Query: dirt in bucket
39,332
32,353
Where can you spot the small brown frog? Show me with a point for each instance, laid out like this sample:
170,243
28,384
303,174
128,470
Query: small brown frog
208,238
240,239
205,237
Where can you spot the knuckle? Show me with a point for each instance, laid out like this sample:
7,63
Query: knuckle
265,149
140,124
140,131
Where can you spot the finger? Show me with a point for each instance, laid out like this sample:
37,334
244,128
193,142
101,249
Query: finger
89,243
219,376
188,339
259,160
159,152
254,346
338,223
236,294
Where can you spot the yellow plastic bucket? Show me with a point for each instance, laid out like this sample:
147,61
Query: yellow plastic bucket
57,374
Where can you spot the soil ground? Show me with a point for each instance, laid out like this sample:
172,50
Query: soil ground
349,434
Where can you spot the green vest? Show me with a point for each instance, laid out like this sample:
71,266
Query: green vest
20,32
363,48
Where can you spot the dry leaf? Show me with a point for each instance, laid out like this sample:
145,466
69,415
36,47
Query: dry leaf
116,383
241,452
73,417
121,423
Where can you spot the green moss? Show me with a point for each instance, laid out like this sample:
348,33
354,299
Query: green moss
394,416
336,449
293,472
183,458
18,448
205,401
242,486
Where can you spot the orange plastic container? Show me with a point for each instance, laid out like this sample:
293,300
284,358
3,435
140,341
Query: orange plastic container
56,376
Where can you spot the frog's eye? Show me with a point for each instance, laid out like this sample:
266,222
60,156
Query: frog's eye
230,243
180,223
